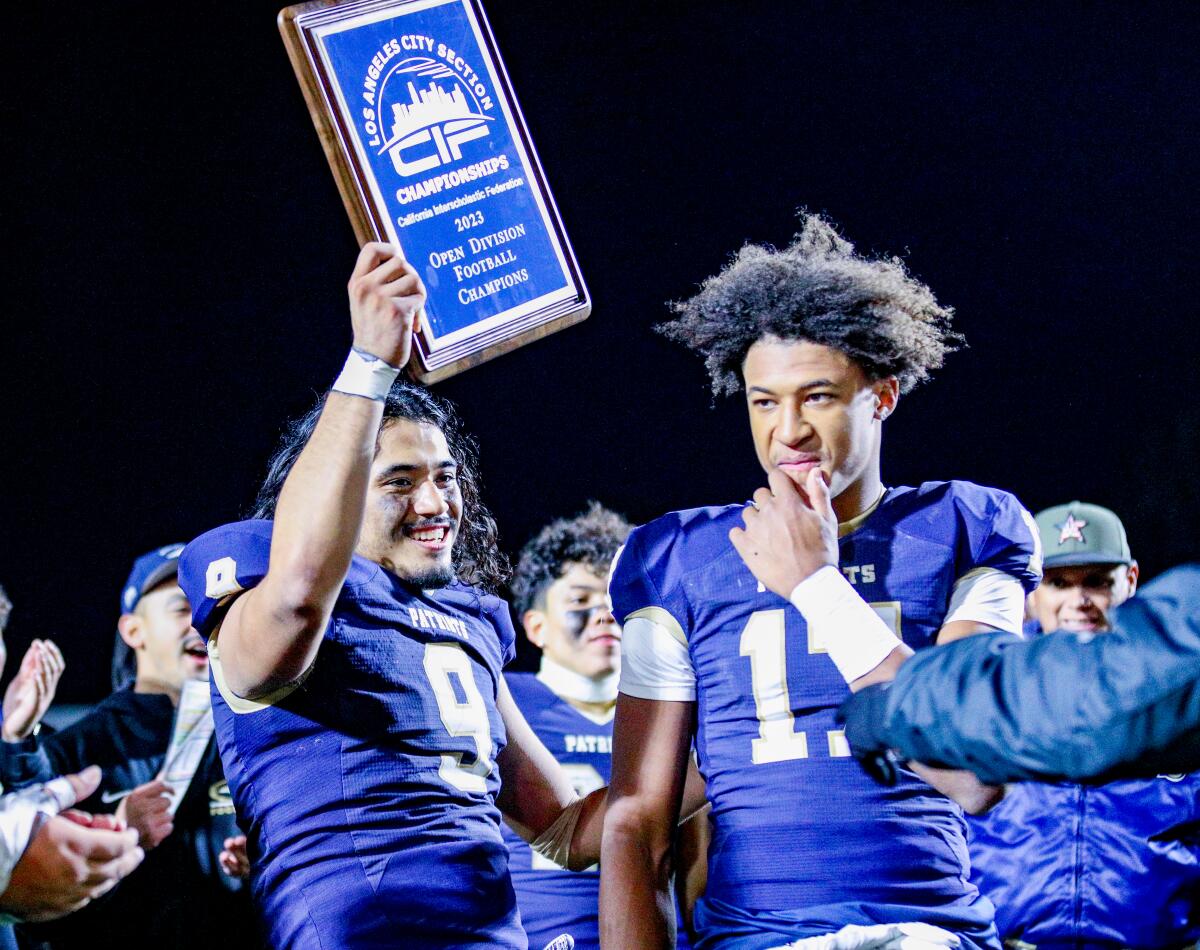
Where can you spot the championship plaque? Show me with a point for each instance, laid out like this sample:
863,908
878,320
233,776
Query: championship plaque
430,153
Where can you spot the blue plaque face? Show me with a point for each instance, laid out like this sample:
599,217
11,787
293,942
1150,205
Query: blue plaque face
436,143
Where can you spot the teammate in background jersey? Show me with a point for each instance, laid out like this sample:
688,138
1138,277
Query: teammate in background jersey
823,341
1069,865
560,593
356,657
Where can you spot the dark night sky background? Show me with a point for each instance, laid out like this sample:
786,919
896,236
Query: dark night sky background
177,256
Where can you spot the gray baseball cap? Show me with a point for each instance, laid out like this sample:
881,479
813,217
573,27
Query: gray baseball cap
1079,533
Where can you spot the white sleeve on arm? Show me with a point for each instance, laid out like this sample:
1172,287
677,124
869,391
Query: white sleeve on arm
20,816
853,634
988,596
655,663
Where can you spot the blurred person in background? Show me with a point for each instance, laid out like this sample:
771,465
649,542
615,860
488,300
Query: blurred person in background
26,699
560,595
180,809
29,694
51,865
1072,865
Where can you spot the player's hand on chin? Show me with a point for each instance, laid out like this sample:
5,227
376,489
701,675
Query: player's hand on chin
386,301
790,533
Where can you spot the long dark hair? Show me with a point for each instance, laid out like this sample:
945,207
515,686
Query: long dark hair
478,559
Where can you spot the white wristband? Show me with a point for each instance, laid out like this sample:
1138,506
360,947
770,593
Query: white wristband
366,375
855,636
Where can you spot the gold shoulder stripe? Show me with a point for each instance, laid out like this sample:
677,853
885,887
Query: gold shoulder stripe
663,618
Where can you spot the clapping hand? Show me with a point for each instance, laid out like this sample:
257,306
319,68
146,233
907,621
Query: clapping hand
32,690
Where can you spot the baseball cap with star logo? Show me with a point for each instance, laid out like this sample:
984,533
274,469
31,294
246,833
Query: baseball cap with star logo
1080,533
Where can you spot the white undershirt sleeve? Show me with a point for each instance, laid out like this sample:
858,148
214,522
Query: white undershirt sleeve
655,663
21,815
988,596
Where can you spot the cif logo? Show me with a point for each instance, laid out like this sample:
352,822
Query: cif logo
433,113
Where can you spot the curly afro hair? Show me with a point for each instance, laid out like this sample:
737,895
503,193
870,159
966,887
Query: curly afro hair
591,538
816,289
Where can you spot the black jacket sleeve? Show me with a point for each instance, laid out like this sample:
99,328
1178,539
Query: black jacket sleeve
126,735
1065,706
37,759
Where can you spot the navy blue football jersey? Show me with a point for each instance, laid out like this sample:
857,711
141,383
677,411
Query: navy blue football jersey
554,901
367,790
803,841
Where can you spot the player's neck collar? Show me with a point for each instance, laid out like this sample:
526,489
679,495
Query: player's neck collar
571,685
849,527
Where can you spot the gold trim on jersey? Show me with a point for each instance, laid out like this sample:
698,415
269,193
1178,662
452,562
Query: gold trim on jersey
663,618
839,748
600,719
849,527
238,703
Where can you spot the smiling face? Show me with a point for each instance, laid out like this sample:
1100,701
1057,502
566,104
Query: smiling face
1079,599
414,506
812,406
159,631
573,625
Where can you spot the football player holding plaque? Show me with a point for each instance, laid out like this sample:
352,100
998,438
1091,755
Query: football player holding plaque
431,153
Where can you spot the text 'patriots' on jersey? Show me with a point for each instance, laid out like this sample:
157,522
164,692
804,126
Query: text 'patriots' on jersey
368,788
788,801
552,899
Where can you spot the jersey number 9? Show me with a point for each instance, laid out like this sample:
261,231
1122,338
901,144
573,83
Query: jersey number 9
463,713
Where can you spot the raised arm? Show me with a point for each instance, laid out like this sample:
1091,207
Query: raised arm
651,746
271,634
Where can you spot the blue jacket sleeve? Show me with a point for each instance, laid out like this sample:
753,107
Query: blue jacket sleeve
1065,706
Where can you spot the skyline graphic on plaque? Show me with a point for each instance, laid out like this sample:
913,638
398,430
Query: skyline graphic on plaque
433,113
